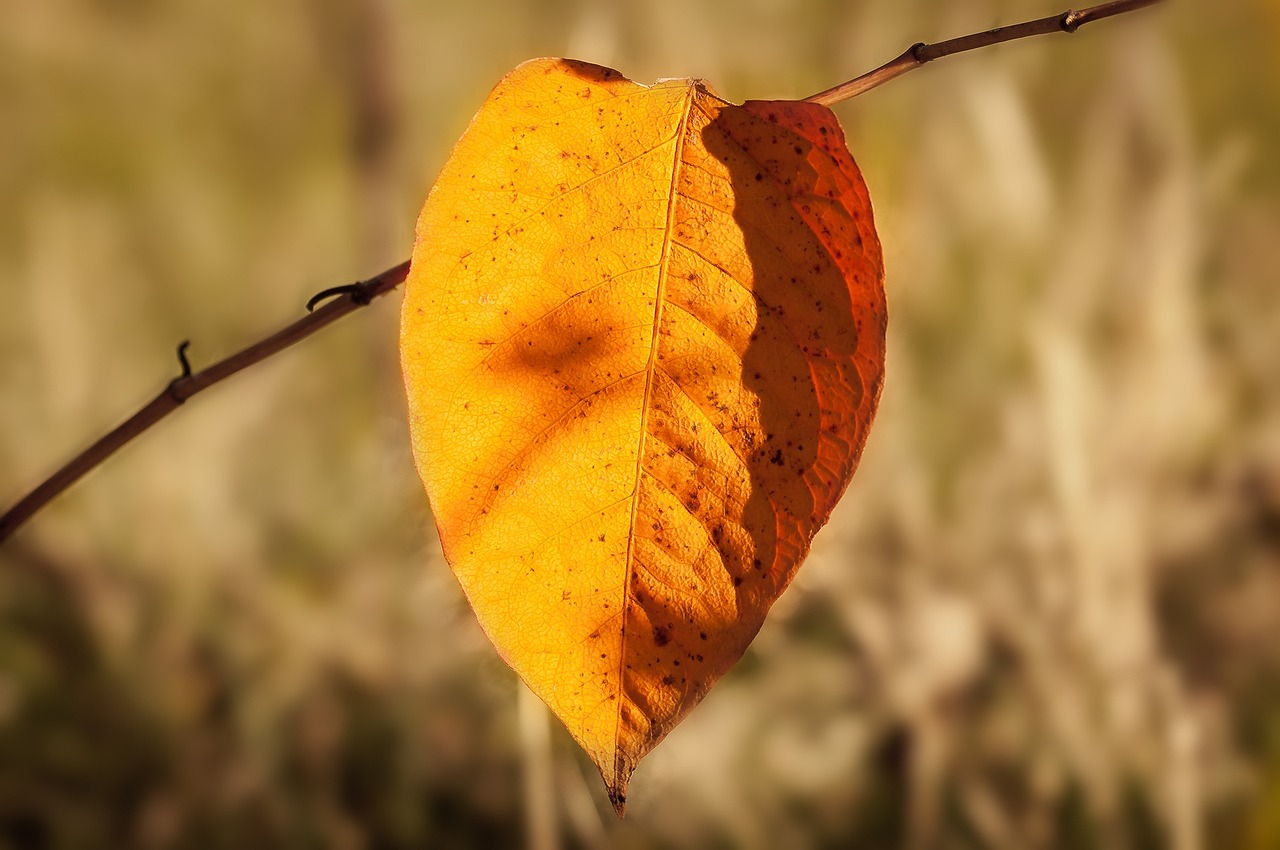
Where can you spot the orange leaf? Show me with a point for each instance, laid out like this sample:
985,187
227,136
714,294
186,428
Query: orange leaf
643,341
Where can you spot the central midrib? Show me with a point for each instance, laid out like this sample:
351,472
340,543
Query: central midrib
650,369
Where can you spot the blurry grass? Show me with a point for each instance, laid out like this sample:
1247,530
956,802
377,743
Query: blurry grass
1046,616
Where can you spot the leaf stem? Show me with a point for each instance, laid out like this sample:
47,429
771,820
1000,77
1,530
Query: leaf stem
918,54
188,384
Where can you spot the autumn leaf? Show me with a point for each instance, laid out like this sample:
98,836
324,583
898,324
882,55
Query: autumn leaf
643,342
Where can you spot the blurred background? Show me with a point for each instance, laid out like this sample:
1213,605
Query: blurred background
1046,615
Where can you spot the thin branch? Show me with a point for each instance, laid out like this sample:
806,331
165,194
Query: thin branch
918,54
354,296
187,384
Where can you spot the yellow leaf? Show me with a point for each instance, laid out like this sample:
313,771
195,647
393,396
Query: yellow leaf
643,341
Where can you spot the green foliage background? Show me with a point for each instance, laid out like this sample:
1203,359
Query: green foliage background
1047,614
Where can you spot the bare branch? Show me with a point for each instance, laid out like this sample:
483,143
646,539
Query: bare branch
918,54
355,296
188,384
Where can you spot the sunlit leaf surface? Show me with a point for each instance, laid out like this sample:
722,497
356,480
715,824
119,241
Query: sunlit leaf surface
643,342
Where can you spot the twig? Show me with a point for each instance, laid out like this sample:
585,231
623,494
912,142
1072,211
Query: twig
354,296
188,384
918,54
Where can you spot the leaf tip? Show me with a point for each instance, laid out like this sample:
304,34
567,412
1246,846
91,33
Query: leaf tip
618,797
617,784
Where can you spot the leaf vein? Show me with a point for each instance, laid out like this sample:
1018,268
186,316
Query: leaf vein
500,476
509,233
515,335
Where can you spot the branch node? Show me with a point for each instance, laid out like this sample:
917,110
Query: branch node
917,52
1070,21
173,389
361,294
